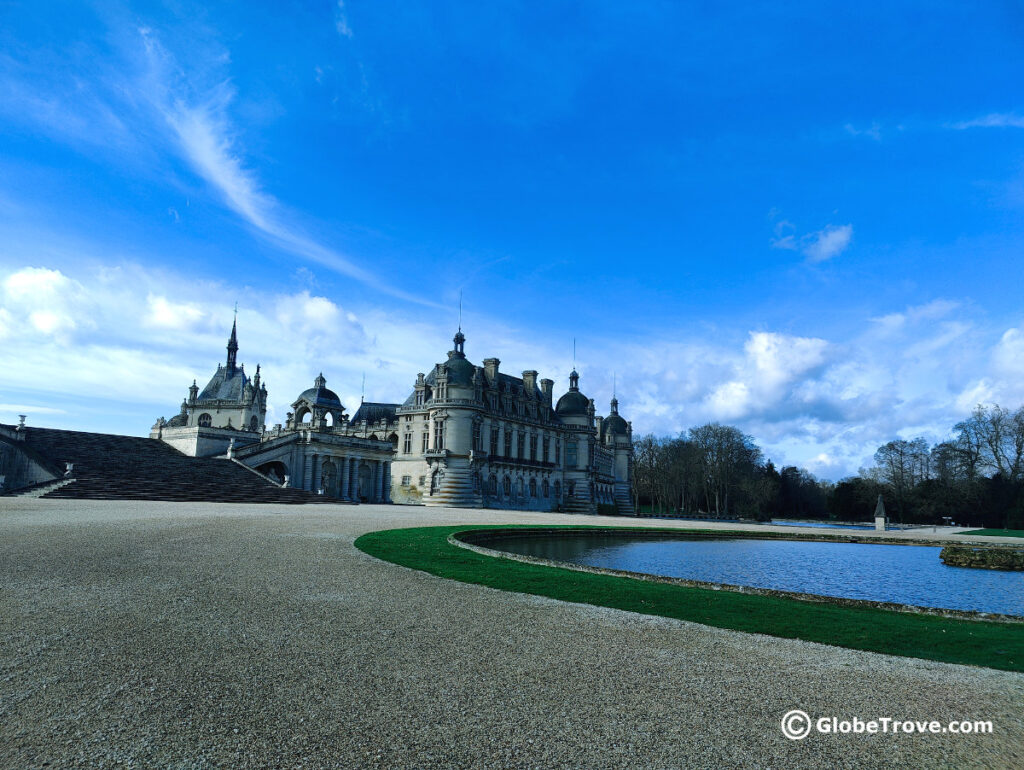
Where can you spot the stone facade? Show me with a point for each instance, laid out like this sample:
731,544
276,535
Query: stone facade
467,436
473,436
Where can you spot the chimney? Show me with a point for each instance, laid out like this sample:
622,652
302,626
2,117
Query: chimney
530,382
546,387
491,367
600,422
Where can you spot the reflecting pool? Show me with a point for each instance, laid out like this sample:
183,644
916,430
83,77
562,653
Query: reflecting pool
884,573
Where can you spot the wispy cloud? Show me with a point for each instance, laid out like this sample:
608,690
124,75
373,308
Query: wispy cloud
828,242
992,120
874,131
209,142
819,246
341,20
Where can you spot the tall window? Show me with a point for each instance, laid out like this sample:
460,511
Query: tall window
533,448
546,445
407,444
545,488
205,420
426,441
438,434
533,487
507,485
478,439
494,443
572,489
419,398
508,442
570,456
558,451
521,449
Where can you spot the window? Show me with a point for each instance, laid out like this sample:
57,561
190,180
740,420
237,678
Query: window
494,442
438,434
423,481
507,485
492,484
570,456
521,448
546,445
558,451
545,488
205,420
558,490
407,444
572,489
406,481
478,439
426,441
533,449
419,398
533,487
254,424
508,442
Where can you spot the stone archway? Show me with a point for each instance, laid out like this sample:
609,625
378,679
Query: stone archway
365,483
329,478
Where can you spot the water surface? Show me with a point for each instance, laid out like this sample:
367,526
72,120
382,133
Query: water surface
884,573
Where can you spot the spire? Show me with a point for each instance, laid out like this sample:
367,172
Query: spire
233,344
615,401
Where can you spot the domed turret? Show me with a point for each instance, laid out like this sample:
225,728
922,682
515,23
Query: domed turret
320,395
573,403
613,424
459,369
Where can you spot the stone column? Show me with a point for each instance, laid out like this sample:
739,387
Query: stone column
313,474
343,480
387,482
378,486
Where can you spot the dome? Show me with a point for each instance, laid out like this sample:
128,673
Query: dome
460,371
320,395
572,403
614,424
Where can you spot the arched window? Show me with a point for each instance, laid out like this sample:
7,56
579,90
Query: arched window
205,420
533,487
558,490
520,488
507,485
492,484
254,424
545,488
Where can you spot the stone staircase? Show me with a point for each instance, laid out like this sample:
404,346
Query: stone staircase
108,467
624,500
456,490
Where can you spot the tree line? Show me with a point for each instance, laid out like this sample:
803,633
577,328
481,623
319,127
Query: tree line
717,470
974,478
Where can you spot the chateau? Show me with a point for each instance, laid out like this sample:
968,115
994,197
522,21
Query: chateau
467,436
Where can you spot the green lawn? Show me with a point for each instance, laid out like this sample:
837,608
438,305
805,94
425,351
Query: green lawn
979,643
996,532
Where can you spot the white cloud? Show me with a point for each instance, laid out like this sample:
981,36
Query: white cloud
818,246
170,315
992,120
874,131
828,242
341,20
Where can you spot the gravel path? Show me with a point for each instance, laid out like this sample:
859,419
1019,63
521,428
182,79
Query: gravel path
196,635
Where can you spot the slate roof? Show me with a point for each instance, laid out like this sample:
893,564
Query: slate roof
373,412
224,386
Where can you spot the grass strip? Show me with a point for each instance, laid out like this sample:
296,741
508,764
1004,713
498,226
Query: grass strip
995,532
977,643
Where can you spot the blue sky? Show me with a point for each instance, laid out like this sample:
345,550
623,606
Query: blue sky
803,219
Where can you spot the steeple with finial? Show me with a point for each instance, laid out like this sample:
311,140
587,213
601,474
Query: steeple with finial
233,344
460,338
615,401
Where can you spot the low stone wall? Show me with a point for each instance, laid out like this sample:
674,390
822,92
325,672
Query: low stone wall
983,558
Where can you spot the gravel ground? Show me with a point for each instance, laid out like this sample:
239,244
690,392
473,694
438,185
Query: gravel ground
199,635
